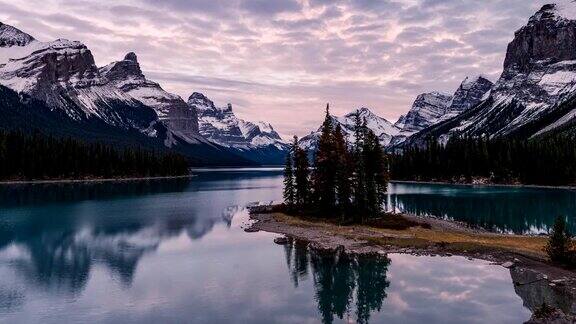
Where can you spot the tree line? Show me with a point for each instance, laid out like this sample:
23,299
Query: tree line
346,182
39,156
546,161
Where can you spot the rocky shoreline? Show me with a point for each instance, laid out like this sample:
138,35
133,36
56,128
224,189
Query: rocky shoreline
535,280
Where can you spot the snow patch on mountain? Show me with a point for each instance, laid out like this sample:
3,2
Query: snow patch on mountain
427,109
11,36
538,79
381,127
63,74
177,115
565,9
222,126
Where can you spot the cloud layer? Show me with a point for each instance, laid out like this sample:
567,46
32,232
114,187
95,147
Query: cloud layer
282,60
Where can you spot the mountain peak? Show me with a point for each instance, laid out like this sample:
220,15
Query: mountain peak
363,112
469,94
548,37
201,102
12,36
561,8
131,57
470,80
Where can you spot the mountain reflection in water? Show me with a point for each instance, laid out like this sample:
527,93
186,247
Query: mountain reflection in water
58,249
175,251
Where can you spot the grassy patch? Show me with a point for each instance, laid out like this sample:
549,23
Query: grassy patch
395,222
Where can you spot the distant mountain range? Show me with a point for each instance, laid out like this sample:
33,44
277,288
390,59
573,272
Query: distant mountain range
65,93
258,141
56,87
428,109
534,96
384,129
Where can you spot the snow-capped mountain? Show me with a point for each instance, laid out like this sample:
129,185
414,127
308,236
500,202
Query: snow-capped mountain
10,36
63,74
470,92
430,108
61,80
258,141
178,116
536,91
384,129
427,109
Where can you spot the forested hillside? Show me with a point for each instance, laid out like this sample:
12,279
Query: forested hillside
38,156
543,161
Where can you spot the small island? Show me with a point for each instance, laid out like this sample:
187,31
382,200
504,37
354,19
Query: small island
337,206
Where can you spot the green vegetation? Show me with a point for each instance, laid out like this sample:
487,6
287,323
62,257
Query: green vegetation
560,248
38,156
345,183
545,161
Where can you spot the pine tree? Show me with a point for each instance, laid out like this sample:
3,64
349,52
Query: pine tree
301,174
376,170
343,171
360,199
559,245
324,175
289,186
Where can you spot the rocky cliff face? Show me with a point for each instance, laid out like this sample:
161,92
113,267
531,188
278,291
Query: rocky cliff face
257,141
63,74
549,36
10,36
178,116
535,93
117,104
426,110
470,92
434,107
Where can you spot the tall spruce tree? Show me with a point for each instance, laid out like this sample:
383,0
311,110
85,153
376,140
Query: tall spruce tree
360,199
343,171
324,175
376,172
289,186
301,174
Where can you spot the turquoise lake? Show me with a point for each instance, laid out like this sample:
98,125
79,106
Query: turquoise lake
174,251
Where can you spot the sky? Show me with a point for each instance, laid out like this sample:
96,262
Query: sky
281,61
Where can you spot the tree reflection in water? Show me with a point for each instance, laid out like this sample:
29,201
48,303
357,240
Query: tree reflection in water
341,281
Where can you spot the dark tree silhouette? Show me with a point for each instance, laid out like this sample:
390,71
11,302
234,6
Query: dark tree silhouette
39,156
560,248
289,185
325,168
546,161
341,281
348,182
301,174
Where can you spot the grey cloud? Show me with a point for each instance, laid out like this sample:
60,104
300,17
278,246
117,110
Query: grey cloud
268,7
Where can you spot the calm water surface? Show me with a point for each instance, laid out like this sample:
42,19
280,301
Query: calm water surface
174,251
502,209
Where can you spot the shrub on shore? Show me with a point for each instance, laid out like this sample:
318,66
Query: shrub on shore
560,248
